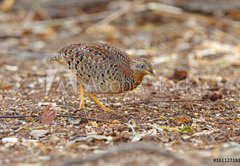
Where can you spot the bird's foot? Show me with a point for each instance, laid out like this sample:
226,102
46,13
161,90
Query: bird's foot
100,104
82,102
104,108
82,105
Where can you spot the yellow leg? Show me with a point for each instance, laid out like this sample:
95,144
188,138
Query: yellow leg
82,102
99,103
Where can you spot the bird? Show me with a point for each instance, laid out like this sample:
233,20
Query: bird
101,68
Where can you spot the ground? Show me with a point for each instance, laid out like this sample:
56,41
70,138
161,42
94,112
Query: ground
191,111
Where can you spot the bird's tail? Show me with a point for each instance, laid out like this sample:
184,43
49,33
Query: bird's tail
58,59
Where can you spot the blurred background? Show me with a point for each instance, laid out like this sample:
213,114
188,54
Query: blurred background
166,31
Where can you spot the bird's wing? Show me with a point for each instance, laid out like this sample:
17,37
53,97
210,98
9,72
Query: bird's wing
98,52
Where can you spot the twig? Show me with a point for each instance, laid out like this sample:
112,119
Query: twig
18,116
178,101
167,101
25,53
57,4
128,148
5,36
59,21
73,19
58,116
220,32
116,14
164,8
192,100
179,13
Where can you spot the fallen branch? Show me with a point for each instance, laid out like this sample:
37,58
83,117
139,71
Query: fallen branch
58,116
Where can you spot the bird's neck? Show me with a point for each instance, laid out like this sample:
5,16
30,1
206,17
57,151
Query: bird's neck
138,77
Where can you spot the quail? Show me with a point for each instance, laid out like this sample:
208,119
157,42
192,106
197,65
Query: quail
102,69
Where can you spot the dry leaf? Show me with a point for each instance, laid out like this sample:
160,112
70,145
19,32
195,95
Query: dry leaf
186,129
213,96
4,86
48,116
182,120
94,123
180,74
237,119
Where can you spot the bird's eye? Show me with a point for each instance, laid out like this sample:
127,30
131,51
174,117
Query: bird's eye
142,66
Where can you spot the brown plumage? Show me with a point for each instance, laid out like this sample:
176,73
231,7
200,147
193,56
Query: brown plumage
102,68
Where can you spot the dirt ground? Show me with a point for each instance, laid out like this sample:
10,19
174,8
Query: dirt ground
188,115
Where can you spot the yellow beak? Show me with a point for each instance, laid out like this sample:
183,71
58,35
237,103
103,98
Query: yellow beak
150,73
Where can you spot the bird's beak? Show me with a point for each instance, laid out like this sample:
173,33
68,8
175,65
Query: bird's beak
150,73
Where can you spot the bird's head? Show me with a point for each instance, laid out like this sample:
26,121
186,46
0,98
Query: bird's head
141,67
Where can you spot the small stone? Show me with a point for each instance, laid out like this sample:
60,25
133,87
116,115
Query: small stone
117,104
38,133
11,68
10,139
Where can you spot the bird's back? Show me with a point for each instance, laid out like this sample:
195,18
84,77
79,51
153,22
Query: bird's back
100,67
